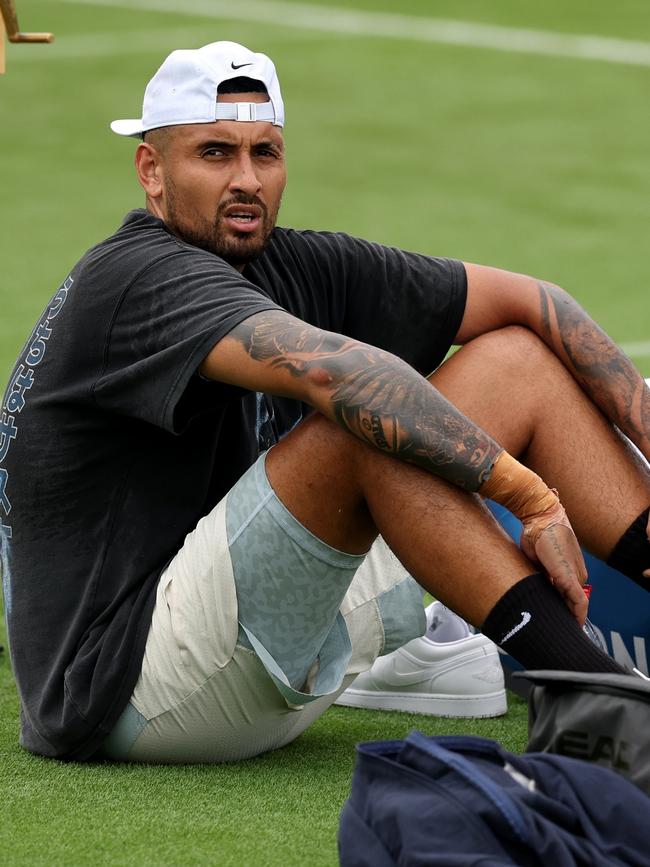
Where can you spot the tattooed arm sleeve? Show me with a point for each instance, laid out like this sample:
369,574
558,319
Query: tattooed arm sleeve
496,299
369,392
602,369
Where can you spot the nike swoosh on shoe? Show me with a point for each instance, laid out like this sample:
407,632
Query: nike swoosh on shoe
426,671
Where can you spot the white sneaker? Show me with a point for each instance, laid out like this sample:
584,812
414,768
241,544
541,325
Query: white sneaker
448,672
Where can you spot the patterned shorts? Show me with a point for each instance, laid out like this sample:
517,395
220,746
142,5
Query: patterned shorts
258,626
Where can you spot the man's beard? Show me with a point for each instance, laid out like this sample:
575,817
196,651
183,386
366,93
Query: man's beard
201,232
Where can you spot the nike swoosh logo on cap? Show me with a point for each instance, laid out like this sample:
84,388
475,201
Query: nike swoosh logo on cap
525,619
239,65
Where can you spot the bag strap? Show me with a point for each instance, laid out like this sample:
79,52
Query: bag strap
508,808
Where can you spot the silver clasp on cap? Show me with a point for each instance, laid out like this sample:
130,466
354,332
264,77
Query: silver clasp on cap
246,111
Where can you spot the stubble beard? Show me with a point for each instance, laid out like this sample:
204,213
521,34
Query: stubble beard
236,249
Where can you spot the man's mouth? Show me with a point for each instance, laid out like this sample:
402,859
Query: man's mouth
243,218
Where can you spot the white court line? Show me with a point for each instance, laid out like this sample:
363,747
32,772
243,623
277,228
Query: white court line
390,25
637,350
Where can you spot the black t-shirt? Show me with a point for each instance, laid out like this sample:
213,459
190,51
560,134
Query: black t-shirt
112,446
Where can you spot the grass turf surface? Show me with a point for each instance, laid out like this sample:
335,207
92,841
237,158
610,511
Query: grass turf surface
279,809
537,164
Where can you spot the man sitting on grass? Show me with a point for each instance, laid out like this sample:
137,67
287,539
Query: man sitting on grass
222,458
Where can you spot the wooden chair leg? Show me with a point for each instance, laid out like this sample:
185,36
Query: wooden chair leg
2,44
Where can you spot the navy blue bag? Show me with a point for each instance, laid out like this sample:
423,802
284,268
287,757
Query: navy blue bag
463,801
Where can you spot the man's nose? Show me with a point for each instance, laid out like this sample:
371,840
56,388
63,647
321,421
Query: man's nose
244,177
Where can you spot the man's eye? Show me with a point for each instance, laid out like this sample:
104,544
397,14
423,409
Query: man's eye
212,152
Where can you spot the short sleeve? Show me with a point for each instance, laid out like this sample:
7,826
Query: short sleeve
407,303
166,322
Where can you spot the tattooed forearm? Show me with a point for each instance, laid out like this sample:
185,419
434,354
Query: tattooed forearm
376,396
389,405
601,368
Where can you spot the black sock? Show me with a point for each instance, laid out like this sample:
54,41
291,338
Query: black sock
631,556
532,623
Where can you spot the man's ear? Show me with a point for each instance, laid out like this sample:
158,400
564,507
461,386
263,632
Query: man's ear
148,165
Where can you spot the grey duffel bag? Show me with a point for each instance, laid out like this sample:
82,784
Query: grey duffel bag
601,718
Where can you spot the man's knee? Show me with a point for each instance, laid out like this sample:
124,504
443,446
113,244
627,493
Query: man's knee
513,351
515,345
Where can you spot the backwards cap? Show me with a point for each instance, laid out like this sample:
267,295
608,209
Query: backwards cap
184,90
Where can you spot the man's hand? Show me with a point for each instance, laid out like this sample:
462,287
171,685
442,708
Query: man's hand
547,537
558,552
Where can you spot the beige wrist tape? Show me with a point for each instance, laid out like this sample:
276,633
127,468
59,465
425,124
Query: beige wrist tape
524,494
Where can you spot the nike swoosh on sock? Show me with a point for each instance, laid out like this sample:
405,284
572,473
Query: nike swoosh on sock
525,620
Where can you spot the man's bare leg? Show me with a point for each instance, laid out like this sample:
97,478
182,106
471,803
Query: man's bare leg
510,384
345,492
516,389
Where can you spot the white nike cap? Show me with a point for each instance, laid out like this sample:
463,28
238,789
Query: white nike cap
184,90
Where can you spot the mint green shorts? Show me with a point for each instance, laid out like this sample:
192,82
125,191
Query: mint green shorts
258,626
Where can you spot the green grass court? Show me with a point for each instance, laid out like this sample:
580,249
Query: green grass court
525,156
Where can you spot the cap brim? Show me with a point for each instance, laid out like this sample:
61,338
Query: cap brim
127,127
